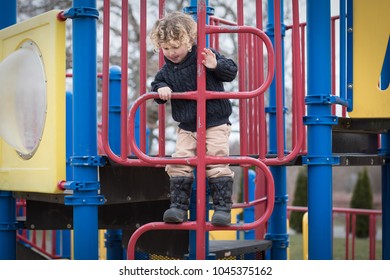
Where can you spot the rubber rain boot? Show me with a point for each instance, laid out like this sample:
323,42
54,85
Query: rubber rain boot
180,192
221,191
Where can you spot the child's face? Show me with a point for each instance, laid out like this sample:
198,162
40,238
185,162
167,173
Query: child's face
175,52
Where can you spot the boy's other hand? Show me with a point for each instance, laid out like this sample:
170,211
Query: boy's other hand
165,93
209,59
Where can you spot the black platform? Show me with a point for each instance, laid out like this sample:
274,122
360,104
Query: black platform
134,196
355,141
237,248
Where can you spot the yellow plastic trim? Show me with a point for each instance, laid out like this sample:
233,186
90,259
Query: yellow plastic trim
371,30
47,167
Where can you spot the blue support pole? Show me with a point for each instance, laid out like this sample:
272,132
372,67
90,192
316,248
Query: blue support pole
249,213
385,79
8,224
65,237
386,198
69,135
192,10
66,240
114,236
319,121
84,160
113,244
114,109
349,55
62,243
277,225
8,13
343,50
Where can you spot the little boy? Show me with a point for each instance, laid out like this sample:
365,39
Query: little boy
175,35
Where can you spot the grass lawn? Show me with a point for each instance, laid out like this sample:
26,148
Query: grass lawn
361,248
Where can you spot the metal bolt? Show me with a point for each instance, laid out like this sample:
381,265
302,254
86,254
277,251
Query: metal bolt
32,226
128,198
68,226
347,162
350,29
350,86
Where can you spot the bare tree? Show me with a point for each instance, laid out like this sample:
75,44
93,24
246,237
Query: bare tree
226,9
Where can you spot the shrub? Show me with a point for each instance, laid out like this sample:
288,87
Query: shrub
300,199
362,199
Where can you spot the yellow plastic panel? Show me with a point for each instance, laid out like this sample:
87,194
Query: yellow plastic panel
42,172
225,234
371,30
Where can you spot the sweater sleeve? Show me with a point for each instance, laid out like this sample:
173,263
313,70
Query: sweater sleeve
226,69
158,83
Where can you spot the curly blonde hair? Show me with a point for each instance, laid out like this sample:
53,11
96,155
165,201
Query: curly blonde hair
176,28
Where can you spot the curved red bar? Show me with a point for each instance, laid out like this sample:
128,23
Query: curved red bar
193,225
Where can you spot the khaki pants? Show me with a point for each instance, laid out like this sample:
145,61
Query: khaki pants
217,144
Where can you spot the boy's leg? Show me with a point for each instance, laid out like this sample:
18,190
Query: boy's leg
217,144
185,147
180,193
220,175
221,191
181,179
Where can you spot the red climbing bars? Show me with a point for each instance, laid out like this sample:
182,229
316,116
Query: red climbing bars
253,112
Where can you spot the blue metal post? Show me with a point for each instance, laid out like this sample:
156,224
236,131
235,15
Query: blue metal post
192,9
277,225
319,121
84,160
349,55
8,224
249,213
114,109
69,135
66,240
114,236
386,198
114,244
385,79
8,13
65,244
343,50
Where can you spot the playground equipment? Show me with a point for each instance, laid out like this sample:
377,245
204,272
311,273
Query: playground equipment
124,189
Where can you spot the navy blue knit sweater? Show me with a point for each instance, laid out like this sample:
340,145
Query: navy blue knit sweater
182,77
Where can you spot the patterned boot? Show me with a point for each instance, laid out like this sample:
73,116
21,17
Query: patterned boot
221,191
180,192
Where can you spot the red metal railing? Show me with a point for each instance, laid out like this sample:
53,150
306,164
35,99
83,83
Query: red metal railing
42,244
252,86
201,160
46,246
334,65
254,93
350,227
